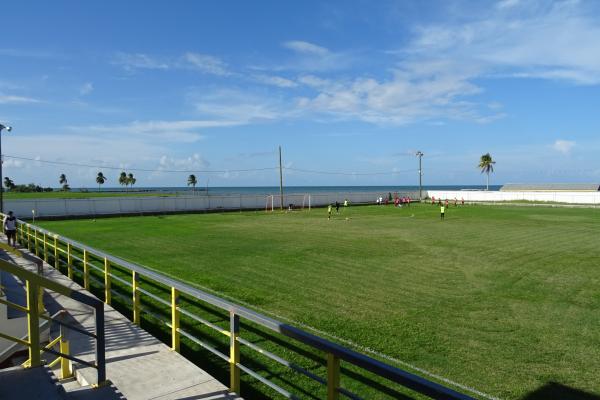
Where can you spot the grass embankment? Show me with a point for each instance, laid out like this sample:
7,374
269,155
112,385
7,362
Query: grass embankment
502,299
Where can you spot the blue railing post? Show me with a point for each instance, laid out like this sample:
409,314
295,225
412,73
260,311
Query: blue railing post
100,343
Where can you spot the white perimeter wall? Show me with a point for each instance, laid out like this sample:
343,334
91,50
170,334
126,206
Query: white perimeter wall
559,197
150,204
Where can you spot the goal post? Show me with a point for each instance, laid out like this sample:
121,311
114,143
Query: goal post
306,201
269,203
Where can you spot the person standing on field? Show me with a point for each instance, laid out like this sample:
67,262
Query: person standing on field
345,203
10,229
337,206
329,211
442,212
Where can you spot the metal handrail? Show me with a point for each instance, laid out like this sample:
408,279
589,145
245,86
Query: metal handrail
33,285
335,352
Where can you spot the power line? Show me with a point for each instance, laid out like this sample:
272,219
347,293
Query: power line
138,169
310,171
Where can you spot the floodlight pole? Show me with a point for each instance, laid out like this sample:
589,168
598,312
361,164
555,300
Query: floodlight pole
420,155
8,129
280,181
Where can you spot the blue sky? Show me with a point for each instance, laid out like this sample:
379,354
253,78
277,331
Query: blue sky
349,86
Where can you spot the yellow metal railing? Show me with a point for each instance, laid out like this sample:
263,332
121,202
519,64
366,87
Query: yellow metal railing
34,310
67,253
66,371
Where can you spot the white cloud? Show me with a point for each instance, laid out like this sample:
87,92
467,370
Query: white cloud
175,131
503,4
306,47
557,41
563,146
436,73
311,57
242,107
86,88
410,94
314,81
132,61
11,99
193,162
200,62
206,63
11,163
276,81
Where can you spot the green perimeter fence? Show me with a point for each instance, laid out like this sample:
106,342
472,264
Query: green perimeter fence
255,355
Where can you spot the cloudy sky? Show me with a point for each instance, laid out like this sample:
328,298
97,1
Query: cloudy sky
349,86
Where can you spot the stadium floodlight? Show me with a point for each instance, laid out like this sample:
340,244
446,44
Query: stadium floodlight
420,155
8,129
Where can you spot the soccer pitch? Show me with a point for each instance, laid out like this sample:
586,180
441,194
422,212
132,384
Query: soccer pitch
504,299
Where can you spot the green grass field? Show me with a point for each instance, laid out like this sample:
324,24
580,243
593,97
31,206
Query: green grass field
76,195
499,298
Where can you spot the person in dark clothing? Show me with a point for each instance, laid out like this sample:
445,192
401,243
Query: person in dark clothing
10,229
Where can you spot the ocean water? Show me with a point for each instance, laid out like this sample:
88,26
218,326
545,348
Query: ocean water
294,189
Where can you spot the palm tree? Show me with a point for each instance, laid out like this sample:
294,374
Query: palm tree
100,179
62,179
192,181
131,180
8,183
487,165
123,179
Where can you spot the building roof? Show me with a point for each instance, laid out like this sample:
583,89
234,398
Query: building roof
551,187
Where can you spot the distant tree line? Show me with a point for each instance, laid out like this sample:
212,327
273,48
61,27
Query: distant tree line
125,179
29,188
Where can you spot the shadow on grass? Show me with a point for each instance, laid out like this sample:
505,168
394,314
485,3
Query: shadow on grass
556,391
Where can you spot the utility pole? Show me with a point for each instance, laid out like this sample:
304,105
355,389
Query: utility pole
8,129
420,155
280,181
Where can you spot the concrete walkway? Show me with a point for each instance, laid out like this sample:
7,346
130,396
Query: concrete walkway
138,365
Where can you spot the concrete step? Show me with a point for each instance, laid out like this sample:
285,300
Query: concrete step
39,383
90,393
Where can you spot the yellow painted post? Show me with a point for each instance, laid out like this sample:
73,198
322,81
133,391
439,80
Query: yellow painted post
28,237
41,299
56,259
35,242
33,323
69,261
234,353
333,377
45,247
65,365
174,319
86,270
136,297
107,295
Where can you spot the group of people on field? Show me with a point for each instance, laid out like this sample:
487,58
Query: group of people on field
398,201
444,205
337,207
401,201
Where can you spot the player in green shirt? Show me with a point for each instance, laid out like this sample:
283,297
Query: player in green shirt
442,212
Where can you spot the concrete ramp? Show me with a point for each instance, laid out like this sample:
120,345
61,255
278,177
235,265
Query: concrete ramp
138,365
